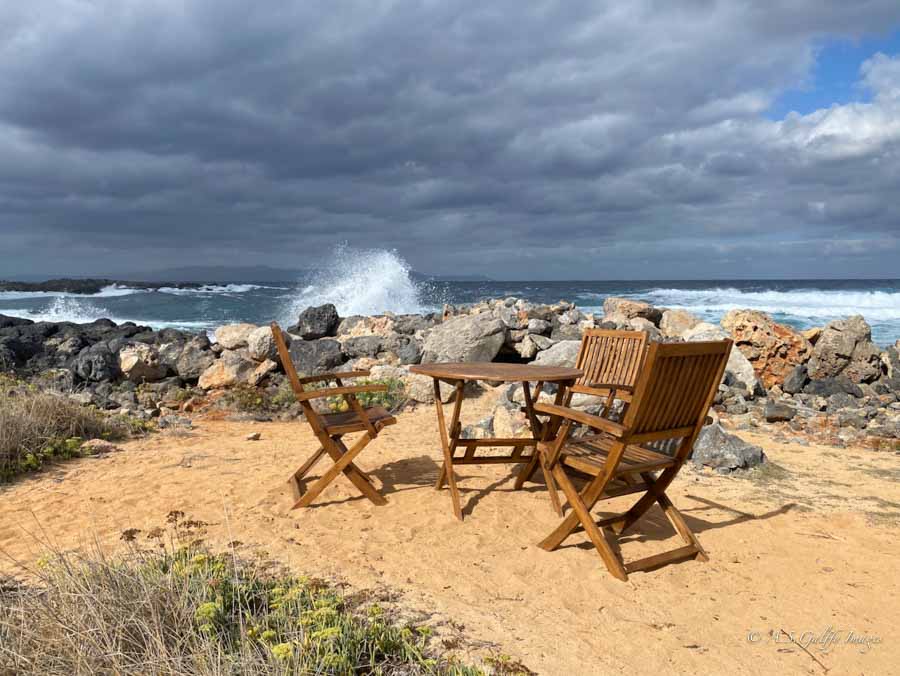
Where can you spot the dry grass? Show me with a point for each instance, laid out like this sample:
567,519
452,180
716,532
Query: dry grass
179,609
36,426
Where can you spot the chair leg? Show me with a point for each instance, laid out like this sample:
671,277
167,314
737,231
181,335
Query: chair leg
588,497
583,514
308,465
680,525
359,478
551,487
527,471
340,464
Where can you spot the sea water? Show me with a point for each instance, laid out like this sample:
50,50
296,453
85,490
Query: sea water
375,281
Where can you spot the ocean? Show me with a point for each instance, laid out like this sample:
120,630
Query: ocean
383,282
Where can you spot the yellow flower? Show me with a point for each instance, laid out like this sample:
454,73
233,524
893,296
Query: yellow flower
283,651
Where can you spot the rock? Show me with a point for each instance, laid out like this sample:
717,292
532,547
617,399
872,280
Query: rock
631,308
539,326
228,370
674,323
834,348
261,344
317,322
865,363
420,388
409,351
527,348
725,452
8,361
563,353
563,332
313,357
885,425
98,447
96,364
738,368
174,422
771,348
261,372
362,346
7,322
58,380
542,342
813,334
468,338
778,412
796,380
840,400
825,387
195,358
233,336
852,418
140,363
890,360
380,325
253,436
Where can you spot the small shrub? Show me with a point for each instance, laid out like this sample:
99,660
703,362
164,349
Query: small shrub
392,400
184,610
39,426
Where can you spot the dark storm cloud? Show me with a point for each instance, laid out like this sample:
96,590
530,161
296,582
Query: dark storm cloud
540,139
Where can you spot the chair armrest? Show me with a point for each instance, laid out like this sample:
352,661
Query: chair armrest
611,386
574,415
334,391
333,376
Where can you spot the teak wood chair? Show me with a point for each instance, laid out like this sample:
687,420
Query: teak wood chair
329,428
611,362
673,394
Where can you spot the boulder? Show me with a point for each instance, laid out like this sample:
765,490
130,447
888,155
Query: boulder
195,358
724,452
890,364
317,322
834,349
362,346
420,388
379,325
261,344
140,363
96,363
796,380
527,348
230,369
825,387
313,357
776,411
233,336
563,353
409,351
865,363
262,371
631,308
771,348
468,338
738,368
674,323
539,326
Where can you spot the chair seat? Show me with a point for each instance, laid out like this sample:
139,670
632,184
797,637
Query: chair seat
349,422
588,454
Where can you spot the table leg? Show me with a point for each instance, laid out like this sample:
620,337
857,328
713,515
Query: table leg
449,441
544,431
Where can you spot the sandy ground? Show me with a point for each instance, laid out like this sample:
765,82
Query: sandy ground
807,549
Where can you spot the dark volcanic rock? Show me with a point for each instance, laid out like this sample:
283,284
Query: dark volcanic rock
312,357
778,412
362,346
96,363
6,321
316,322
725,452
796,380
825,387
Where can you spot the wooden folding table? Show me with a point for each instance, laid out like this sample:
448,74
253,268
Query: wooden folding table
457,375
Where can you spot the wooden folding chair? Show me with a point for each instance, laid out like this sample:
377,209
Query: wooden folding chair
611,362
673,394
329,428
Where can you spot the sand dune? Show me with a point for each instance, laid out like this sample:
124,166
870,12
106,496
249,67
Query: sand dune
809,549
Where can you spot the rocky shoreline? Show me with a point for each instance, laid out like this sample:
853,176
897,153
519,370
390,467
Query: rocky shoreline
88,286
831,384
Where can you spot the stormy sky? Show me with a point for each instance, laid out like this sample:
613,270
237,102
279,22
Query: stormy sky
522,140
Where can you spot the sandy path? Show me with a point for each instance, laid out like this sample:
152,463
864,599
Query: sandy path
813,549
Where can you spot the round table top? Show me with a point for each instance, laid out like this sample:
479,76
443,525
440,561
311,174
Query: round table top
486,370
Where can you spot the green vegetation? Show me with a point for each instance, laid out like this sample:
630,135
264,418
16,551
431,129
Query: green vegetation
392,400
180,609
39,426
252,399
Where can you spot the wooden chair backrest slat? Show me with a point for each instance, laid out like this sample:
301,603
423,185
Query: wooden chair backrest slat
676,387
287,363
612,357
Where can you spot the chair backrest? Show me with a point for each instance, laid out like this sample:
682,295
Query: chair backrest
612,357
675,389
287,364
